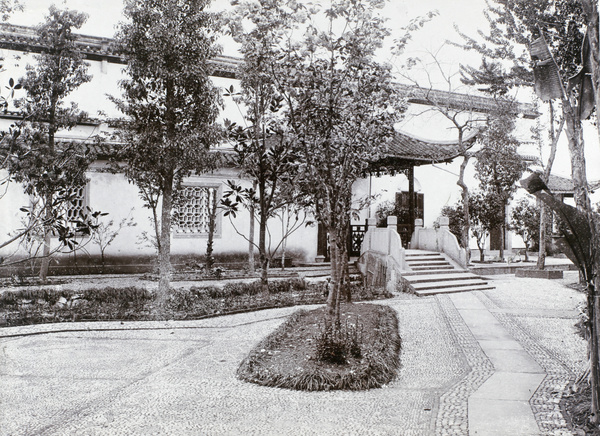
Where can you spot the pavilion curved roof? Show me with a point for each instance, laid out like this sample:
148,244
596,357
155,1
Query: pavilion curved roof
406,150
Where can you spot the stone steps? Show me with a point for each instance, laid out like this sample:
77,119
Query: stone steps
431,273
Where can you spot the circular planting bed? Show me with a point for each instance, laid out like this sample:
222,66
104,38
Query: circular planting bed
308,353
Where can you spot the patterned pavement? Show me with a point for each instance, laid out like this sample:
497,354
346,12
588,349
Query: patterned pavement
178,378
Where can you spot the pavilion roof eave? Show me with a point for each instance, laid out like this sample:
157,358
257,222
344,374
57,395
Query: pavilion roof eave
407,150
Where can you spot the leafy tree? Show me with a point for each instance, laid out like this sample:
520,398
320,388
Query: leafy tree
263,149
341,107
47,169
484,215
525,221
456,220
8,7
499,166
170,103
486,211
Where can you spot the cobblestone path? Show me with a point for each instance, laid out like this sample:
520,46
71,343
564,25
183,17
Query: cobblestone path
178,378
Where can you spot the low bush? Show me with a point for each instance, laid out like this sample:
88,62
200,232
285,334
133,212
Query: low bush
42,305
363,353
335,344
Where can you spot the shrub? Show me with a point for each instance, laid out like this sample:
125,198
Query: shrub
364,356
129,295
335,344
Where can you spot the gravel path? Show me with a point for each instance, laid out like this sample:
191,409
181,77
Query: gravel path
179,377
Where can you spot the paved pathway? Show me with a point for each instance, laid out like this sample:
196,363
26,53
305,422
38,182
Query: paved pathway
475,363
500,406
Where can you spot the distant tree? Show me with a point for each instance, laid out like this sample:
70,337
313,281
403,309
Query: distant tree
499,166
484,215
384,210
525,221
170,103
487,213
49,170
456,220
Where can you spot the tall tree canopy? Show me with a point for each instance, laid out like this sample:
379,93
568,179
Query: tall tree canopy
264,149
341,108
170,103
499,165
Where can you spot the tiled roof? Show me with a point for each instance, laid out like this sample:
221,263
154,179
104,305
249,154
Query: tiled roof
409,147
18,115
560,185
404,147
460,101
23,38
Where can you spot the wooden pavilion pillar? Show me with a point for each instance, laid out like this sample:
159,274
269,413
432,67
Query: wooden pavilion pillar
411,197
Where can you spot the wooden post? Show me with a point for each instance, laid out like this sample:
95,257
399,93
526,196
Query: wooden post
411,199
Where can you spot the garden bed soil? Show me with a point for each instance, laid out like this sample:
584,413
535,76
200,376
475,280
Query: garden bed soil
288,357
576,408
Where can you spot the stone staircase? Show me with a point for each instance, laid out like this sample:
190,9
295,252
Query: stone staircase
430,273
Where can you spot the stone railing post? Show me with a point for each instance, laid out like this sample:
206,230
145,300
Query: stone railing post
392,221
444,222
414,238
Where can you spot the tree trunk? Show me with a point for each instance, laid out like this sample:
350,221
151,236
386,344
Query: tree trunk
345,275
335,279
262,248
503,232
576,149
541,262
465,199
212,224
45,263
284,230
251,268
582,200
546,213
164,253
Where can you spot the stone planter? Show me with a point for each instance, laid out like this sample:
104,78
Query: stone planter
539,273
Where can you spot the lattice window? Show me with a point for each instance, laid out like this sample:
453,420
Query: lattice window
77,203
193,211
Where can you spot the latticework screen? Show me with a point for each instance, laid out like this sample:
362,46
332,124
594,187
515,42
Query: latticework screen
193,211
76,204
